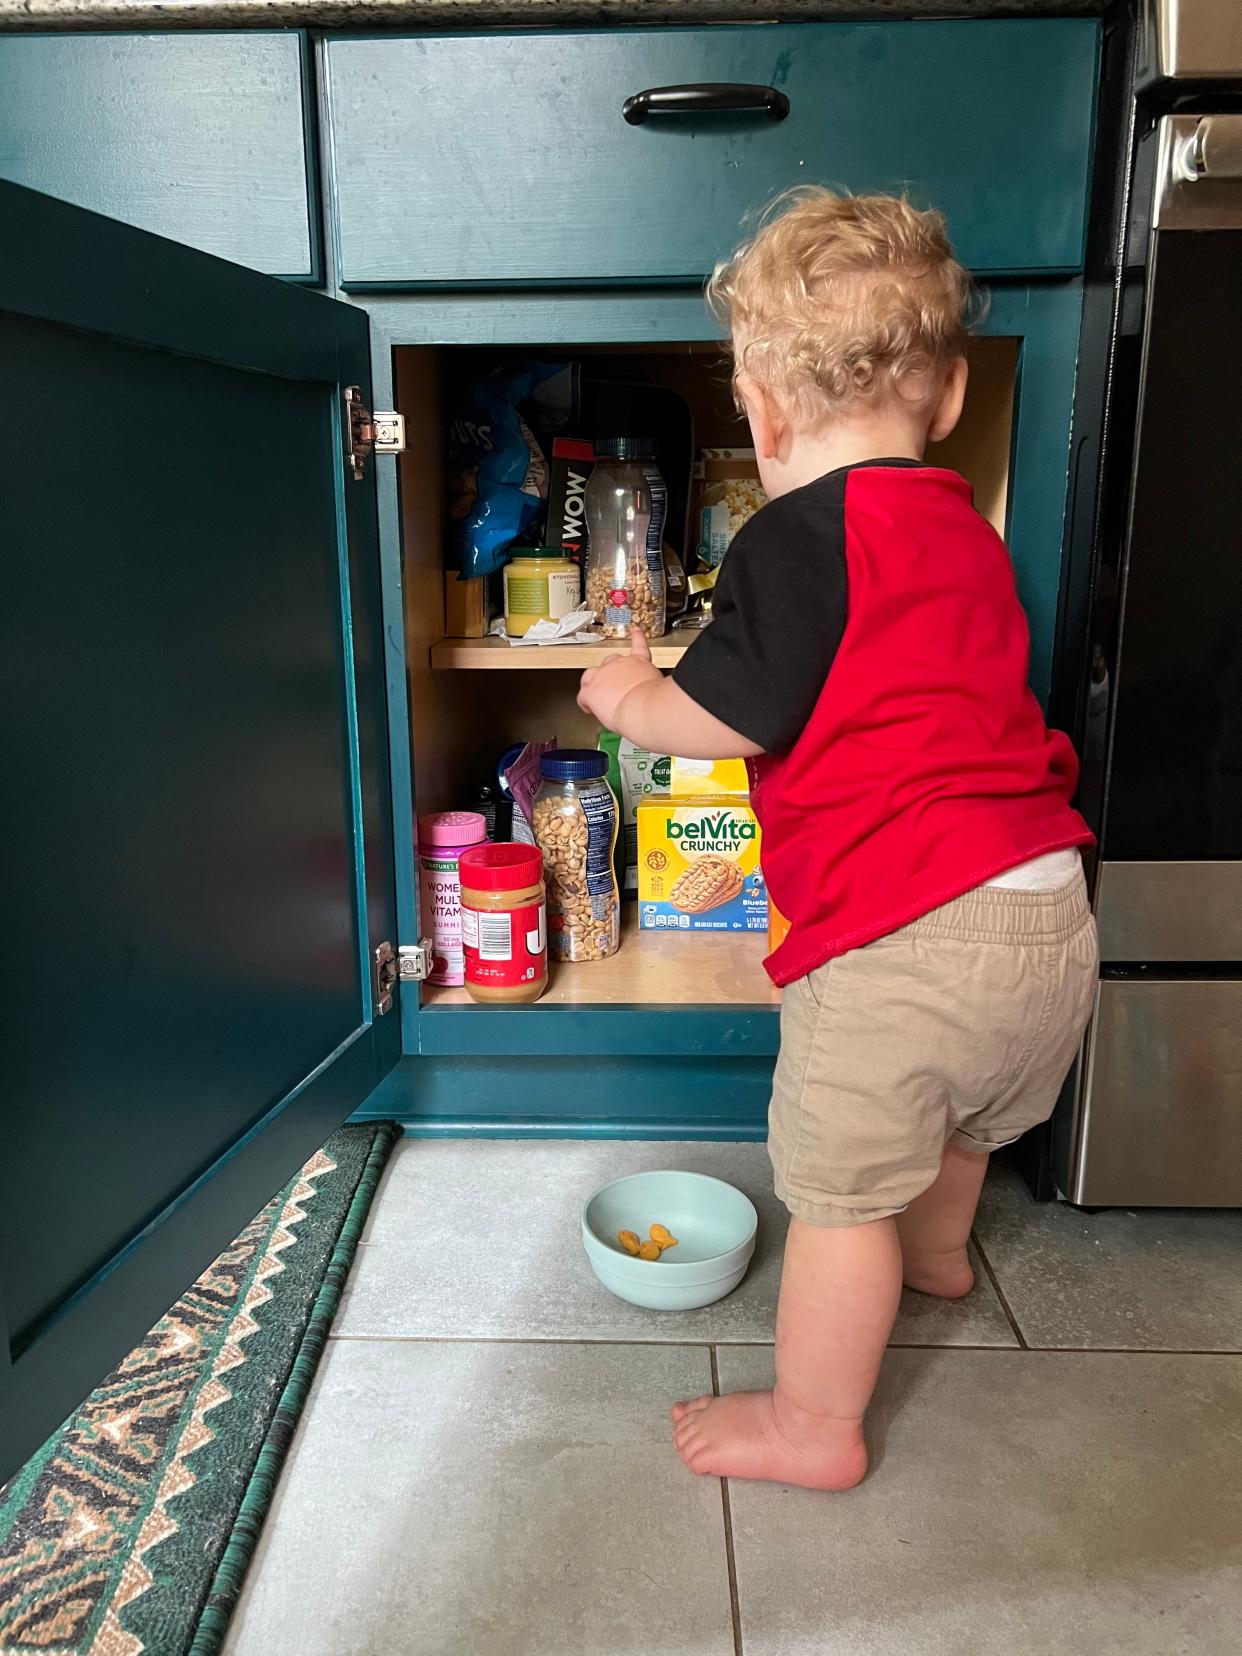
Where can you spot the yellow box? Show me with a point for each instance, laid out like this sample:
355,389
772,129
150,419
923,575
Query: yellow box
698,865
713,778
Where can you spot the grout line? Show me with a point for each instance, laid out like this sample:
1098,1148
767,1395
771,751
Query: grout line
633,1340
735,1609
1071,1351
996,1287
759,1345
516,1339
939,1345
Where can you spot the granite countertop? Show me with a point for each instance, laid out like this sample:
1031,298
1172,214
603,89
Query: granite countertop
456,14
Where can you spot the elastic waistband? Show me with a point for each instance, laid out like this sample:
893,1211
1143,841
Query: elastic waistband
992,914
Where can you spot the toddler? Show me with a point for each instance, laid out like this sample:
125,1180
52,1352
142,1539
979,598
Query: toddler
868,655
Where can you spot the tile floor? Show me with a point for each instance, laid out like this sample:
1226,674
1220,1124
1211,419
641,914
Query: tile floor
484,1467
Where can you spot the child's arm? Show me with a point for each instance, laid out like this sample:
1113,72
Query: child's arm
632,697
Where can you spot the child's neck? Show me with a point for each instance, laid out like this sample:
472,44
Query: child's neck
887,435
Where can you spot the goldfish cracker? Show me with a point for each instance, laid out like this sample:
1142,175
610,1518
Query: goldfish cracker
629,1241
663,1237
649,1250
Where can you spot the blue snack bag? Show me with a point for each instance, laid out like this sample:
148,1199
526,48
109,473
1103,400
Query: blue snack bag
498,476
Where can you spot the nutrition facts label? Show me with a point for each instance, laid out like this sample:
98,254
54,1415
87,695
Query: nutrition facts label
600,810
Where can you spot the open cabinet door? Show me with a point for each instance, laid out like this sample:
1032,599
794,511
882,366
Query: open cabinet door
197,861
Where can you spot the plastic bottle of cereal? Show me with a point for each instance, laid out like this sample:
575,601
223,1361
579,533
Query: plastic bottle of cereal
575,823
442,837
504,923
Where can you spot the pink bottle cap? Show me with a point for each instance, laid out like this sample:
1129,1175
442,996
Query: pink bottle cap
451,828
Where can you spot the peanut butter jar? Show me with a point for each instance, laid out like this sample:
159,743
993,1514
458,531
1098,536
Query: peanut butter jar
504,927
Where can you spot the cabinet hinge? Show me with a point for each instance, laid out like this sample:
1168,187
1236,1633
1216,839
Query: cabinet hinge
385,984
414,961
367,433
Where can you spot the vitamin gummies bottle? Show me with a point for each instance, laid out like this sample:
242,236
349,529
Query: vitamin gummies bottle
624,581
442,837
575,825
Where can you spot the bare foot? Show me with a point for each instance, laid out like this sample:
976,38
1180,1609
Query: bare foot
947,1276
753,1435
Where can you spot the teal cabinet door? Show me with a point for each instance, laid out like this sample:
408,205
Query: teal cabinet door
491,159
198,849
206,138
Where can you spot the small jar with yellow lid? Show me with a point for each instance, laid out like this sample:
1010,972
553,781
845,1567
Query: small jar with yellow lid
540,585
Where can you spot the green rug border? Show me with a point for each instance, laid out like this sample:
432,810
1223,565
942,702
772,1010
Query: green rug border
226,1584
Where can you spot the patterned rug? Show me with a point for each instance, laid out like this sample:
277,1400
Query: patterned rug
131,1530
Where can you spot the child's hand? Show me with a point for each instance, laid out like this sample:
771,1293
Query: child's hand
603,689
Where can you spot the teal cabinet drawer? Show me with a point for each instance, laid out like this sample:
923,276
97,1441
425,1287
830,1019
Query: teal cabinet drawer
202,138
497,159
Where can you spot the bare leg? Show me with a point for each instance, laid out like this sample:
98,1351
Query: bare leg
935,1227
839,1294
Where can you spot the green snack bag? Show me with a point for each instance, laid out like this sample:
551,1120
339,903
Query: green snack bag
610,743
633,774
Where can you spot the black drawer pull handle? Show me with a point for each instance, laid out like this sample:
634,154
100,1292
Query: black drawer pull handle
704,97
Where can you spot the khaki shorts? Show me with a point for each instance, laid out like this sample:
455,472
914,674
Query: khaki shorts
958,1029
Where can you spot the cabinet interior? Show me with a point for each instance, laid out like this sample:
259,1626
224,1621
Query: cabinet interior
471,700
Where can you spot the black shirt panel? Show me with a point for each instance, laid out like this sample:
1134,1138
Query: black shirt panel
779,612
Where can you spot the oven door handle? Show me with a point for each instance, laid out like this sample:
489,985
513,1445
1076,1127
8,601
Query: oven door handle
1213,150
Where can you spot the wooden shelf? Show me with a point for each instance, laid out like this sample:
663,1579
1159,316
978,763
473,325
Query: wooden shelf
655,969
497,654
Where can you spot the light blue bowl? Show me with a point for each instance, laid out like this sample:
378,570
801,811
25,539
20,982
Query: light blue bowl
714,1225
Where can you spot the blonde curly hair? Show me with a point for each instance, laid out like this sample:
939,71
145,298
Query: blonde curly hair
841,298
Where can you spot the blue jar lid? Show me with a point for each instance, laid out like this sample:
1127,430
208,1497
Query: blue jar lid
573,765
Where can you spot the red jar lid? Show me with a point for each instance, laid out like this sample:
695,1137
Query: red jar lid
500,867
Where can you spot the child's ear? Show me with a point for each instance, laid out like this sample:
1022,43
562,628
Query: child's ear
948,409
763,415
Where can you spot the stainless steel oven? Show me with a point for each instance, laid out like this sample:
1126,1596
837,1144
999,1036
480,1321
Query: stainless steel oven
1156,1115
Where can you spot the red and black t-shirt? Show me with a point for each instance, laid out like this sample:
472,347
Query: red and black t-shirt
867,634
